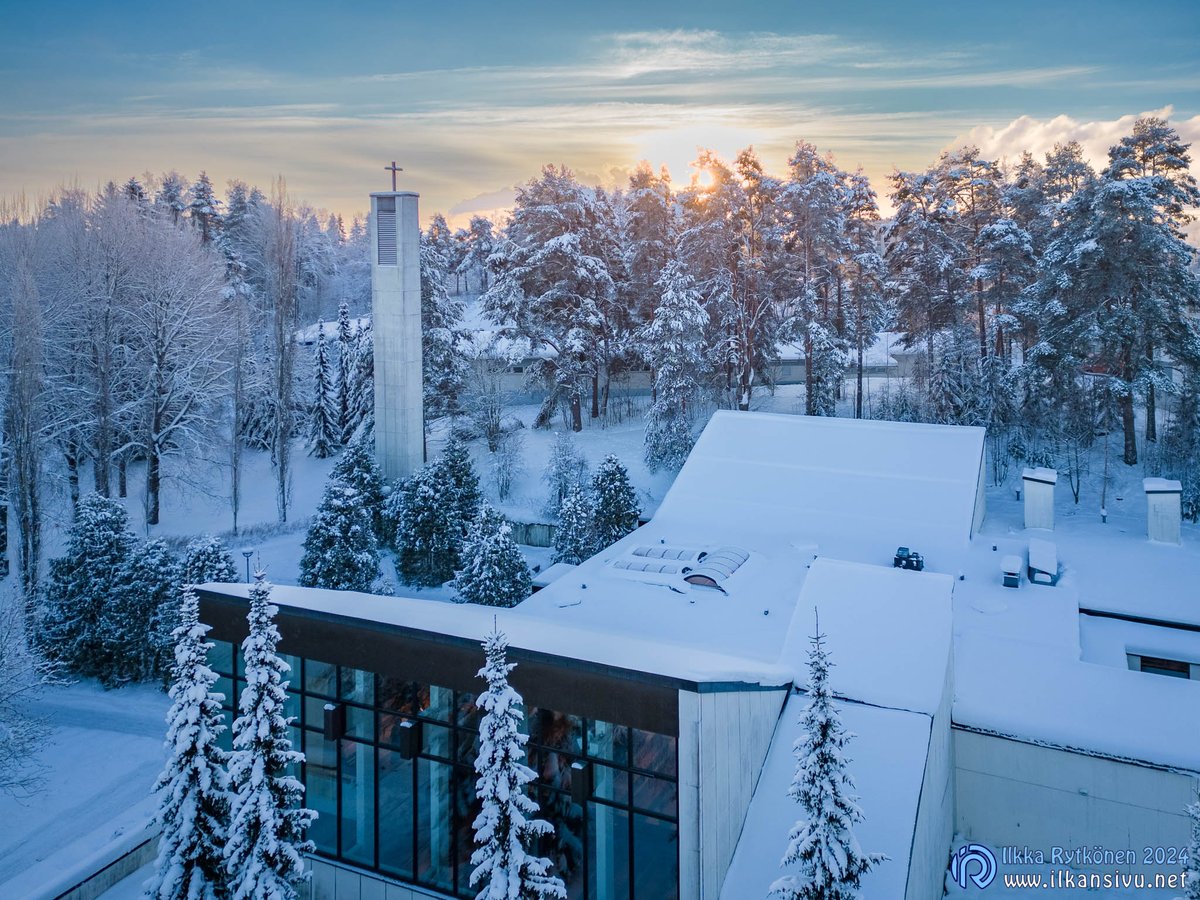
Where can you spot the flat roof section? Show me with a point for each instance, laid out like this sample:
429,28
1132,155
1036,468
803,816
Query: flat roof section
889,632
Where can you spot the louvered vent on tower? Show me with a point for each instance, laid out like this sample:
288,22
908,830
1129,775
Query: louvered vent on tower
385,231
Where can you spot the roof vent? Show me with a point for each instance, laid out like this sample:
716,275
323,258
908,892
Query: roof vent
716,567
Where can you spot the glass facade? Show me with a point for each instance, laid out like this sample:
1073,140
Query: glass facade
390,770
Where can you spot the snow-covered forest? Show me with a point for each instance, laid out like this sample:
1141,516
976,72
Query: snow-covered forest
153,325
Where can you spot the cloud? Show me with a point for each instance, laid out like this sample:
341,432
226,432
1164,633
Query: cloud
486,202
1039,136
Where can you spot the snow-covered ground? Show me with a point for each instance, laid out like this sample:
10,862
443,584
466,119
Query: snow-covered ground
100,760
88,806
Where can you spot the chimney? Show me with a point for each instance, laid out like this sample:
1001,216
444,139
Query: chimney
1163,511
1038,486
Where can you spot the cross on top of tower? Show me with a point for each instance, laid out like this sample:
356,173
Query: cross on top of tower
393,168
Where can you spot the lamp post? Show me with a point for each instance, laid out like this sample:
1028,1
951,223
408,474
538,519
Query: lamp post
248,554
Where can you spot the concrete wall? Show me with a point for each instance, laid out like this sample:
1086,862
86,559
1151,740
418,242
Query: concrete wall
723,741
1014,793
332,881
396,328
95,885
935,811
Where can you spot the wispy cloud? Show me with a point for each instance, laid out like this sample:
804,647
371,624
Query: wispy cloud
464,130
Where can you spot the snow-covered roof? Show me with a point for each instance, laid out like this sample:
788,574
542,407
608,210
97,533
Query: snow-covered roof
879,622
1028,665
1161,486
626,648
881,353
880,484
551,573
308,334
888,753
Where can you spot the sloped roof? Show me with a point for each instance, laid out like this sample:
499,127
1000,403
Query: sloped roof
881,484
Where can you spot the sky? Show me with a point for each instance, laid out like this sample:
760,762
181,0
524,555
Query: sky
472,98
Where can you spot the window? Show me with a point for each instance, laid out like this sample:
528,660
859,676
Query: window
403,803
1158,665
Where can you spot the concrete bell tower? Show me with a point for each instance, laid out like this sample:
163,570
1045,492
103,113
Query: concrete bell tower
396,324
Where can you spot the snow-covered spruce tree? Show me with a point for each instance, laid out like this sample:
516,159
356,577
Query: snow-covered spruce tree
1191,871
266,823
206,559
494,572
445,367
673,345
140,617
575,536
459,473
566,470
362,397
357,468
340,550
616,512
204,208
422,515
345,372
822,843
193,810
82,580
324,432
505,827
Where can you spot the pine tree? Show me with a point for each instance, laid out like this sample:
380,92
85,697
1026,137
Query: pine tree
82,581
1115,287
616,506
827,368
421,513
193,811
566,470
553,284
575,536
203,209
340,551
494,571
831,862
357,468
345,369
171,198
263,855
324,433
505,827
362,397
459,473
445,368
673,345
1191,869
206,560
141,617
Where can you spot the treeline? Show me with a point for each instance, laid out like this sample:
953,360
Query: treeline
152,322
1047,300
